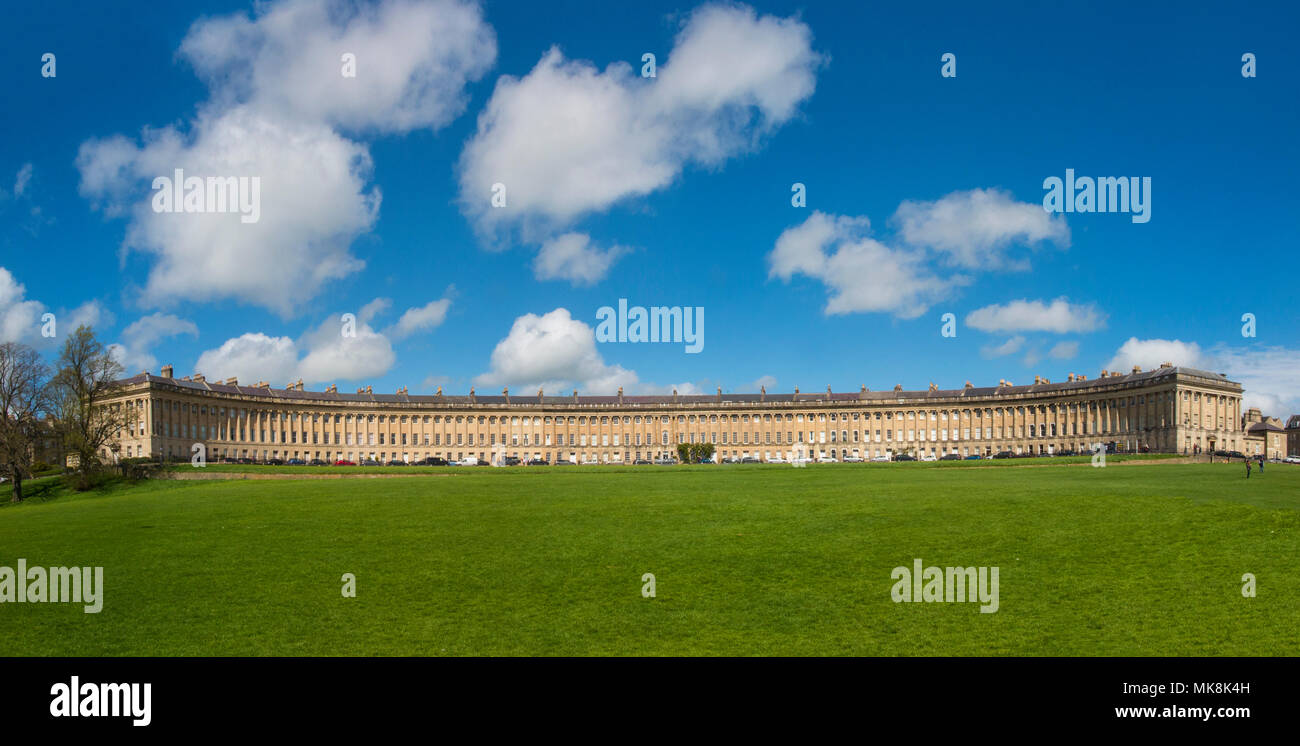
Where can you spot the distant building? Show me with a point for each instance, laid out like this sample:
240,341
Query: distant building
1265,436
1293,435
1166,410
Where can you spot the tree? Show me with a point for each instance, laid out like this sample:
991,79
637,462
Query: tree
24,390
87,378
694,453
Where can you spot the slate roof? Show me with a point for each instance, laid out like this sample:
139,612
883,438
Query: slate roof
529,398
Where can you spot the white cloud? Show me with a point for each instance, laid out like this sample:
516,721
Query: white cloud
21,317
1270,375
331,356
1150,353
251,358
322,355
764,381
1009,347
1059,316
422,319
556,352
1063,350
21,179
573,257
413,59
860,273
973,229
138,338
568,139
277,99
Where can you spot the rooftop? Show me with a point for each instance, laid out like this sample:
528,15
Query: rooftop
295,392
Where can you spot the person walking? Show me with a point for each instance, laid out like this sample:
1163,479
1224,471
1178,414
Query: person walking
1261,463
1248,468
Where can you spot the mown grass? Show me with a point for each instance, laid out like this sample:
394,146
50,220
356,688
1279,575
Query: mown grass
750,560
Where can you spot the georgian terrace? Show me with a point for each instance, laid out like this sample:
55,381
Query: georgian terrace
1168,409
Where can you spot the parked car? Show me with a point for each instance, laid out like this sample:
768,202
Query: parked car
881,459
317,462
973,457
904,457
369,462
295,462
275,462
852,459
664,462
432,461
566,462
1003,454
345,462
537,462
950,457
396,462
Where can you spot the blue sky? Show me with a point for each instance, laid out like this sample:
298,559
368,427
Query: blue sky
924,193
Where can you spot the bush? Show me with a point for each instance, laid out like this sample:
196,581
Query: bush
81,481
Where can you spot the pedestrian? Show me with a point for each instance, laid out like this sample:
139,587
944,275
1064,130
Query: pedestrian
1261,463
1248,468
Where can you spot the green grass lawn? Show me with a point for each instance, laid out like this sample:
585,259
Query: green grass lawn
749,560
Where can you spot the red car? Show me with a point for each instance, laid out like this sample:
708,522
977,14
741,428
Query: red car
344,462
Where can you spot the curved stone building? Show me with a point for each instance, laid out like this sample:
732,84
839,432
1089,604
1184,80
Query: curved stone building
1169,409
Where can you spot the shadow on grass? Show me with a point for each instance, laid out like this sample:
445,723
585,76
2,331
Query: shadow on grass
48,489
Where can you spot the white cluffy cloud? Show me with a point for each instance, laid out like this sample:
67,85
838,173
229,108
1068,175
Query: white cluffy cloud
557,353
935,246
568,139
21,317
324,354
278,111
1009,347
1270,375
573,257
133,352
974,229
859,272
1060,316
426,318
553,351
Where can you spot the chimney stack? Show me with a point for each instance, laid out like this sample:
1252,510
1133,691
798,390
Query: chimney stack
167,371
232,381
